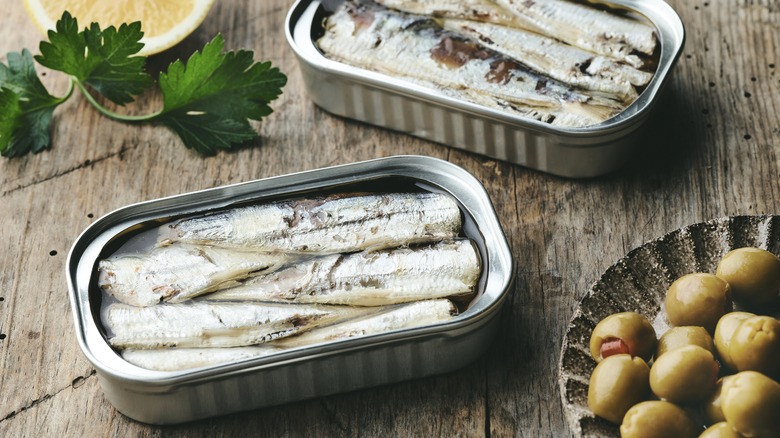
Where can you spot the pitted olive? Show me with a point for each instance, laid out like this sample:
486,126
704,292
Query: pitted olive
754,276
657,419
677,337
686,374
698,299
623,333
685,368
617,383
751,404
723,333
712,411
720,430
755,345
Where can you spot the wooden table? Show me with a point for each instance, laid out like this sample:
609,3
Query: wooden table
713,150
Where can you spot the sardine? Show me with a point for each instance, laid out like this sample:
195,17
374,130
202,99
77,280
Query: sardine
475,10
208,324
402,316
374,278
328,225
560,61
175,273
407,45
586,27
176,359
582,26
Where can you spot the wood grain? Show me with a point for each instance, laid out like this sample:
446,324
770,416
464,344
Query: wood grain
711,150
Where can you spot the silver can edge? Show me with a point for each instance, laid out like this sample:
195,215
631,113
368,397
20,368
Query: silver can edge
143,395
391,103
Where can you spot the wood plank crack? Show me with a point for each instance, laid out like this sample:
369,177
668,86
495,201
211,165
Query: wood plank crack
83,165
76,383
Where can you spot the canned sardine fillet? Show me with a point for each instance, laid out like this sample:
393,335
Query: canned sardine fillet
568,103
194,256
207,341
495,64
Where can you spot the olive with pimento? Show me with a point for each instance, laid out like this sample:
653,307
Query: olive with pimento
623,333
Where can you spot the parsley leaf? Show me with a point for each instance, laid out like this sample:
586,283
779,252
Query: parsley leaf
26,107
101,59
209,100
10,119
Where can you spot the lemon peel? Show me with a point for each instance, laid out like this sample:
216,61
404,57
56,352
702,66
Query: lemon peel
165,23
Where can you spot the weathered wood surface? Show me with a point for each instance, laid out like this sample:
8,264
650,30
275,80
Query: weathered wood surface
714,151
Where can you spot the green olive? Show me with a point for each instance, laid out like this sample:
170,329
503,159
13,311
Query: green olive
720,430
698,299
686,374
623,333
754,275
677,337
723,332
751,404
617,383
755,345
712,410
657,419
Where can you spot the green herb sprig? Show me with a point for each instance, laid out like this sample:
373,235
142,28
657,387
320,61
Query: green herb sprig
207,101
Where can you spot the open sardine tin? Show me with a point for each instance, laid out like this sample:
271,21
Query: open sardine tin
404,106
167,397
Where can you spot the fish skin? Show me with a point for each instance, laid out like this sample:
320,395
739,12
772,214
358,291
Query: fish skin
401,316
588,28
475,10
178,359
572,118
369,278
328,225
209,324
563,62
405,45
581,26
178,272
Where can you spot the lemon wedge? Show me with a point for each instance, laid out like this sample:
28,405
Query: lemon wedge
164,22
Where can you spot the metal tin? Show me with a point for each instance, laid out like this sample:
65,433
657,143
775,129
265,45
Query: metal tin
173,397
385,101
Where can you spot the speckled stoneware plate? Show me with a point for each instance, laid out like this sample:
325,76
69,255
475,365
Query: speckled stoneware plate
638,282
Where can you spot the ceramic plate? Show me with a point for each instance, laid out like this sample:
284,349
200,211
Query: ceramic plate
638,282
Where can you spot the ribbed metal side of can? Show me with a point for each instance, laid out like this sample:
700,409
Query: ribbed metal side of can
173,397
314,375
402,106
